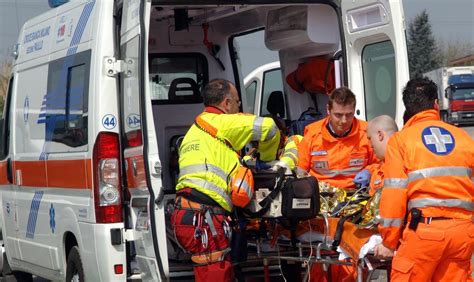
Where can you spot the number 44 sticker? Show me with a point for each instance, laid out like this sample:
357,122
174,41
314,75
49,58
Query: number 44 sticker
109,122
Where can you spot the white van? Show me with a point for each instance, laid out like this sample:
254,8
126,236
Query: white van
101,92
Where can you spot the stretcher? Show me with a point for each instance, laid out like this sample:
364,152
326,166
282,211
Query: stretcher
341,227
317,242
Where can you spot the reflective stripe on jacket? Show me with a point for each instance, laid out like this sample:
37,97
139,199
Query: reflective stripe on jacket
208,155
377,178
290,153
335,160
429,166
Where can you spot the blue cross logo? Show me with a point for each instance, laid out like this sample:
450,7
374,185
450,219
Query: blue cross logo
52,221
438,140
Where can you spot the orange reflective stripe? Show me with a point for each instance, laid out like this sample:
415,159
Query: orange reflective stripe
73,174
206,126
210,257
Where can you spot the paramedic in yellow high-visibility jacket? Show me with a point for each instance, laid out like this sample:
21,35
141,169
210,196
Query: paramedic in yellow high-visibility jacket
208,160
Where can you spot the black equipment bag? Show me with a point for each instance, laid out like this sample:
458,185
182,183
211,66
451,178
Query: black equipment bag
300,198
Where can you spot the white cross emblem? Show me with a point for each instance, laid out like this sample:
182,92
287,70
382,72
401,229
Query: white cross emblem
438,139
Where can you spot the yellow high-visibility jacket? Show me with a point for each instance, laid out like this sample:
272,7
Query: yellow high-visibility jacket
208,156
290,153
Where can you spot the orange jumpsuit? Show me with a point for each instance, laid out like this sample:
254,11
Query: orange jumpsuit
429,166
336,160
376,179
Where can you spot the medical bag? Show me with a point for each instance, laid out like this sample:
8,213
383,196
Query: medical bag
279,195
300,198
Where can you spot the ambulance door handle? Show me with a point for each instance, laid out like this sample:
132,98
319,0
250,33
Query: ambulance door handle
134,167
9,170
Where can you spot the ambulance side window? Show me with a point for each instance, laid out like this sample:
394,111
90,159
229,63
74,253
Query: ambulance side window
249,100
378,65
68,83
4,122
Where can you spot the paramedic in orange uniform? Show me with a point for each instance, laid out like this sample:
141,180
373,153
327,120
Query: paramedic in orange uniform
429,179
208,164
336,150
379,131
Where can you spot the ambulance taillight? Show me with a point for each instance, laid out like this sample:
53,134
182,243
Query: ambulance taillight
107,192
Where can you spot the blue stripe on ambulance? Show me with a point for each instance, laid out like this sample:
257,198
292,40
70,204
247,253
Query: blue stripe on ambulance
53,109
33,216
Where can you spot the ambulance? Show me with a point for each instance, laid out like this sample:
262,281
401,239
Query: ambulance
102,91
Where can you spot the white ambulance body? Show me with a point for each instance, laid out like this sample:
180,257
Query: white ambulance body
102,91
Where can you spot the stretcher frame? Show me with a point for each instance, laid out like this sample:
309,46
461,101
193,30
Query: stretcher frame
324,253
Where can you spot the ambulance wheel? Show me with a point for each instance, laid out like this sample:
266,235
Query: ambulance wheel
13,276
74,270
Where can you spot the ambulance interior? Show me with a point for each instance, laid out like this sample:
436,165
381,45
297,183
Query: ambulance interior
191,45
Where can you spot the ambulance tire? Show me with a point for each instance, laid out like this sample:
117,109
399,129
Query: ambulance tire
74,265
13,276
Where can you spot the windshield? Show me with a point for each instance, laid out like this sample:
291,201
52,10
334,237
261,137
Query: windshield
463,94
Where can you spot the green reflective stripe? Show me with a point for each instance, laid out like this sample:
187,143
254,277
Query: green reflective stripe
391,222
244,185
272,132
210,186
257,129
439,171
430,202
293,151
203,168
395,183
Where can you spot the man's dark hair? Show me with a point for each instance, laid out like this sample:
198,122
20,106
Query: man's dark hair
419,95
342,96
216,91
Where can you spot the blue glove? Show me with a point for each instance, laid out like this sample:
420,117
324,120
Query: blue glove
362,178
262,165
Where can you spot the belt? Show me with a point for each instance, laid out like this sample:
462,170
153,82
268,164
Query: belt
428,220
184,203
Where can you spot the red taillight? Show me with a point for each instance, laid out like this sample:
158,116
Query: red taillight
118,268
107,192
134,138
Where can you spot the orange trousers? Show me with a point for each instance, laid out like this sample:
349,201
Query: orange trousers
440,251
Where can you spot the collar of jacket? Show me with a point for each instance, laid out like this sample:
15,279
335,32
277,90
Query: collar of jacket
356,127
213,110
423,116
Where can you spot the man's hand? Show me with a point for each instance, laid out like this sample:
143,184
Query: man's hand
300,173
380,251
281,164
362,178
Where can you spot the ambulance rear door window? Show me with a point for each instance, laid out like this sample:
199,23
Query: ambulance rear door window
177,78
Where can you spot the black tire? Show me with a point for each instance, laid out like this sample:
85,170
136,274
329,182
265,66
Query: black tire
14,276
74,268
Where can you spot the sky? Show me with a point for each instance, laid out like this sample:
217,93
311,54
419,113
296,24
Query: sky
451,20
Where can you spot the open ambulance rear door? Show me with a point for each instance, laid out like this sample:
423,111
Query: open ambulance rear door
140,148
374,35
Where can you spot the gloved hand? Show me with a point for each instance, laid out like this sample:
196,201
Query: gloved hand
300,173
362,178
259,165
282,164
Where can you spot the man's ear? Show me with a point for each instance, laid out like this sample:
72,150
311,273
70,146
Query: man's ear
380,135
436,104
327,109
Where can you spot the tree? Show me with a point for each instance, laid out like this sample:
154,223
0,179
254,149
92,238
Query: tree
5,70
423,52
452,50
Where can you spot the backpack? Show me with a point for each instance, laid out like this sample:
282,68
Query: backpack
309,116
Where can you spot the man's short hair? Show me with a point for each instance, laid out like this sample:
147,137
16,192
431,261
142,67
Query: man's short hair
216,91
419,95
385,123
342,96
